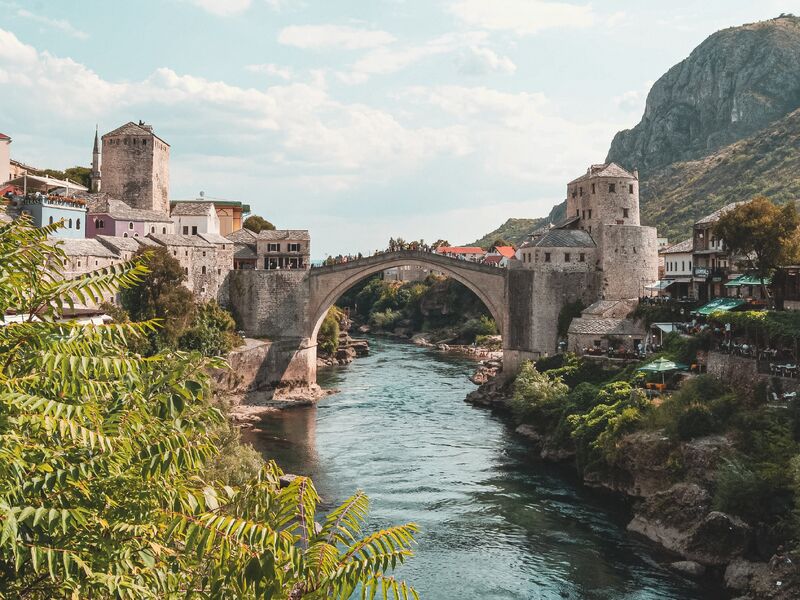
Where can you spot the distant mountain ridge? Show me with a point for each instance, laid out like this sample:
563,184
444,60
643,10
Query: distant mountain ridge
723,125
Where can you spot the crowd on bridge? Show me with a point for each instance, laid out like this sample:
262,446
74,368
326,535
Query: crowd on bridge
395,245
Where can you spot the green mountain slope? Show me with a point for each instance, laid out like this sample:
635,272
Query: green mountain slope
768,163
517,230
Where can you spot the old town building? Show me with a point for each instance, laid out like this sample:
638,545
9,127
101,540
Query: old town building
111,216
283,249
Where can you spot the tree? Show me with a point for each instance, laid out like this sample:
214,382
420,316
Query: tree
501,242
256,224
79,175
104,455
328,336
440,243
161,296
212,332
762,234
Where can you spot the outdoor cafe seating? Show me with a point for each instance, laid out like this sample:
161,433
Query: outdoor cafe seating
787,370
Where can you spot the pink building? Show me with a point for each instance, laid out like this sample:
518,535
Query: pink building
109,216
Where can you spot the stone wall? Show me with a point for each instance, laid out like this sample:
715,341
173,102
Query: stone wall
742,373
136,170
629,260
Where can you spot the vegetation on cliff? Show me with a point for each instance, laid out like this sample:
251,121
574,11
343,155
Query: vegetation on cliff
589,410
106,489
440,306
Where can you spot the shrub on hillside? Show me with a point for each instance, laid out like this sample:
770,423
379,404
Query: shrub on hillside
538,395
696,421
328,336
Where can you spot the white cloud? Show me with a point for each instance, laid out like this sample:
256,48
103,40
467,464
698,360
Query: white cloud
523,17
223,8
476,60
391,59
271,69
333,36
60,24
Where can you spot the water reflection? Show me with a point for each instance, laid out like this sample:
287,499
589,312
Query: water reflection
494,524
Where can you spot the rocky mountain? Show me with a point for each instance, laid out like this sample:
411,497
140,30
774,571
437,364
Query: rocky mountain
517,230
720,126
734,84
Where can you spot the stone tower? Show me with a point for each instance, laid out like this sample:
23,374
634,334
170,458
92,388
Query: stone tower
95,176
605,203
136,167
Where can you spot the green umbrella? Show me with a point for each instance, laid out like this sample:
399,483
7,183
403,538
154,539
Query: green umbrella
662,365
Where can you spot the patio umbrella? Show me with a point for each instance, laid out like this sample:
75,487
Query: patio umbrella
662,365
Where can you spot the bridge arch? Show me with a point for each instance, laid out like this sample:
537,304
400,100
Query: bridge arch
328,284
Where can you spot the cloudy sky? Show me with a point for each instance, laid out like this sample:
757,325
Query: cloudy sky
356,119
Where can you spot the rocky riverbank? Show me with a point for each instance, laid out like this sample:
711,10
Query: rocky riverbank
669,484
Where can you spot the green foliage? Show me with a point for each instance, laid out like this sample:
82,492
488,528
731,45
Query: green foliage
481,326
212,331
80,175
257,224
537,394
328,336
681,348
695,421
385,320
105,458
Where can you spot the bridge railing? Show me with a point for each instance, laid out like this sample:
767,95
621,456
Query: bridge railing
425,255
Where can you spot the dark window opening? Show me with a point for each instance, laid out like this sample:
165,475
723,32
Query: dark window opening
194,229
625,213
582,257
630,188
612,187
566,257
593,190
546,257
185,230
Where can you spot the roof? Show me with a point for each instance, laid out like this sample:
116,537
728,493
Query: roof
193,209
45,183
214,238
244,251
85,247
748,280
493,259
680,247
176,239
507,251
611,169
3,136
566,238
284,234
583,326
104,204
131,128
460,250
714,217
126,244
242,235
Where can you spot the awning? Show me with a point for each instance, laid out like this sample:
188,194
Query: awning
659,285
748,280
40,183
665,327
719,304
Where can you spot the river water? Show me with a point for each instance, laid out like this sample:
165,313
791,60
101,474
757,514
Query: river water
494,523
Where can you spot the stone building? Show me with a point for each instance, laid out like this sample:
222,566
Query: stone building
678,269
191,218
112,217
244,247
5,158
206,260
712,263
135,167
605,325
283,249
46,209
230,213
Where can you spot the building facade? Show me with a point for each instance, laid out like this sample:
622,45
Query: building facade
135,167
713,265
193,218
679,269
281,249
112,217
47,209
230,213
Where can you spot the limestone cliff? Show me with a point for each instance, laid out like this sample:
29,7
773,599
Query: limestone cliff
735,83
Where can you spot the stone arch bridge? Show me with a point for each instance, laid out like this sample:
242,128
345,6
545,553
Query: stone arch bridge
287,307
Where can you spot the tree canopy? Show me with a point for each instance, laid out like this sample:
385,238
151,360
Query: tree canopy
256,223
104,455
761,234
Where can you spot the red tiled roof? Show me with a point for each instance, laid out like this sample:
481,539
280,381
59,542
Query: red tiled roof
460,250
506,251
494,259
3,136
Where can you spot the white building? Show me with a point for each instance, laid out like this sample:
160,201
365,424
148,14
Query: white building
193,218
678,264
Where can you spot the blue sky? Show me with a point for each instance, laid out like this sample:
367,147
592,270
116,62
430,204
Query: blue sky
358,120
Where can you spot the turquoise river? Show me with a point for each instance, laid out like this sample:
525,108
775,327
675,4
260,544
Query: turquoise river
495,524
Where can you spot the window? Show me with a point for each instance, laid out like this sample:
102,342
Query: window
102,224
203,270
186,270
582,257
219,271
51,220
144,142
612,187
690,265
152,230
546,257
163,230
125,234
186,253
566,257
70,223
135,234
273,247
174,253
580,191
577,212
78,224
204,252
194,229
185,230
683,265
630,188
79,263
590,213
625,213
130,225
294,247
96,263
583,216
593,188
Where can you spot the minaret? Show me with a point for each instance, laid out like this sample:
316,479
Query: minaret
95,177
